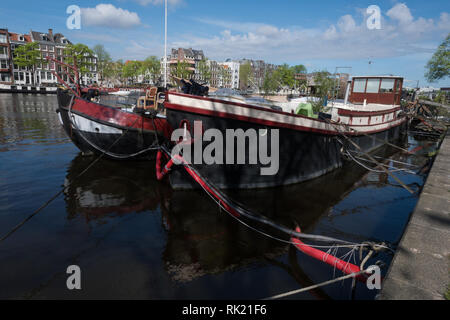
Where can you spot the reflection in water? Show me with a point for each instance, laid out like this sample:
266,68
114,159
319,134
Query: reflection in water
111,190
201,239
135,237
28,119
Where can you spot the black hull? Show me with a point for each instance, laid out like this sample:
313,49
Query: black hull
111,141
302,155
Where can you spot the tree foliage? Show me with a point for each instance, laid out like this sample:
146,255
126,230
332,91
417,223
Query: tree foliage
271,83
324,85
245,75
285,75
79,54
150,68
131,69
103,60
29,56
181,70
439,65
225,75
204,70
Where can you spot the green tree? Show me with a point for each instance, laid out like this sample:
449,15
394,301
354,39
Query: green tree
299,70
324,86
118,69
81,55
28,56
439,65
204,70
132,69
285,75
103,60
225,74
181,70
151,68
245,75
271,83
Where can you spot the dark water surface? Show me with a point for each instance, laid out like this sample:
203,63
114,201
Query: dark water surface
134,237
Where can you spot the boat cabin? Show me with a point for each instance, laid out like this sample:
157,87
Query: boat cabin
376,89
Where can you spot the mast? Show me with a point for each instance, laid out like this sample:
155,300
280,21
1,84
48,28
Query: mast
165,45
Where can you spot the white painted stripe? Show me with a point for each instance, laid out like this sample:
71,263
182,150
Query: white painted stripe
87,125
272,116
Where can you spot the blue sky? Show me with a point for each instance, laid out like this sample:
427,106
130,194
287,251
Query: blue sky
318,34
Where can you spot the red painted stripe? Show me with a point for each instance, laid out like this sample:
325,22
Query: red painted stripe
117,117
344,112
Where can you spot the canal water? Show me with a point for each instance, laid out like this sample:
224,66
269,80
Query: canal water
134,237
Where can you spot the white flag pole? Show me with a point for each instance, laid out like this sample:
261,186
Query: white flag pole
165,45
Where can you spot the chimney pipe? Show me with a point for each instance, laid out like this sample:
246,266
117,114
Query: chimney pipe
50,33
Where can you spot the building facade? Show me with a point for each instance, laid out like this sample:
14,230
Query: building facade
22,75
259,70
49,45
230,78
6,75
189,57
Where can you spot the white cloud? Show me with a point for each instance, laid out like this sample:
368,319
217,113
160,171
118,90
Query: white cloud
346,23
107,15
401,13
400,34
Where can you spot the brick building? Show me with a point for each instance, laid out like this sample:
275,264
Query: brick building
5,58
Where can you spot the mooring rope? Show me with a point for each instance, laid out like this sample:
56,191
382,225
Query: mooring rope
107,152
369,156
322,284
8,234
394,169
261,219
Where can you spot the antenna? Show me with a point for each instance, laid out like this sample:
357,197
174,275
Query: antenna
165,45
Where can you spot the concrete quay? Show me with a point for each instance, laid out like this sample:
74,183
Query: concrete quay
420,269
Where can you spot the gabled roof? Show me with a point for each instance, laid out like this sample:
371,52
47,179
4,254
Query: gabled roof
46,37
15,37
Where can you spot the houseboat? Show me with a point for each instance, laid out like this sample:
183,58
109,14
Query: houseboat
301,147
120,130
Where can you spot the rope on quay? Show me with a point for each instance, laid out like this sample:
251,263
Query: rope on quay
322,284
8,234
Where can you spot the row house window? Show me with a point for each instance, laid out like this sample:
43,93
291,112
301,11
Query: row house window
19,76
48,74
3,50
5,77
4,64
16,67
3,38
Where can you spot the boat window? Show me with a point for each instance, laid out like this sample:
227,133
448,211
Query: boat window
373,85
359,85
387,85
